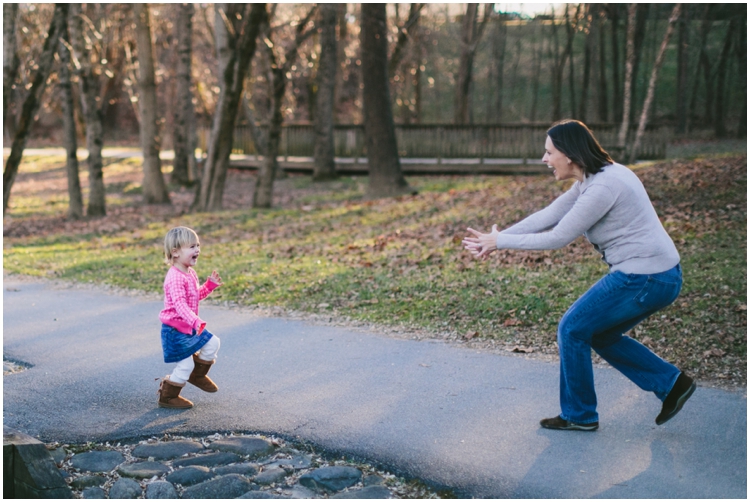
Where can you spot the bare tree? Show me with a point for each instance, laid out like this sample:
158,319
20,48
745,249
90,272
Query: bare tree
740,47
592,11
471,34
720,126
613,13
89,86
603,107
237,27
561,59
154,188
500,36
184,169
629,59
682,73
32,102
386,178
325,166
263,196
10,64
405,33
70,139
652,81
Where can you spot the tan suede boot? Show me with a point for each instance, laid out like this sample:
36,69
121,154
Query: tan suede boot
198,376
169,395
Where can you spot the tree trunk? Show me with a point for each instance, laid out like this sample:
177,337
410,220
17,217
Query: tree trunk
386,179
263,195
10,65
602,91
89,90
184,141
559,64
617,90
682,73
235,51
154,188
471,33
32,102
498,59
404,34
705,27
592,14
740,48
629,58
325,166
641,17
720,126
70,140
652,82
342,40
535,79
571,29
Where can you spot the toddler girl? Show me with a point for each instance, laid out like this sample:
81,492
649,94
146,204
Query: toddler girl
184,337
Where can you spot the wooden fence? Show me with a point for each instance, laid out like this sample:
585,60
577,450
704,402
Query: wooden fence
442,141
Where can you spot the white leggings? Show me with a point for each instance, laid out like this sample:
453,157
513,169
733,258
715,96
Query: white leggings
181,372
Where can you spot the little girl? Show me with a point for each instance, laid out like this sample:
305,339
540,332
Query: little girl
184,337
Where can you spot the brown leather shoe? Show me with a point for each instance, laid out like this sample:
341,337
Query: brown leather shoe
169,395
198,376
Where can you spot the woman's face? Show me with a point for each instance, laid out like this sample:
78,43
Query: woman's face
564,168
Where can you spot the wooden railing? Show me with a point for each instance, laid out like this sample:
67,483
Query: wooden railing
443,141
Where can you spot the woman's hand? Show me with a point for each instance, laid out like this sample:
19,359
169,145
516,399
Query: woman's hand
481,245
214,277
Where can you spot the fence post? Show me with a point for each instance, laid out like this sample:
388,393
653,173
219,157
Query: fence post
440,145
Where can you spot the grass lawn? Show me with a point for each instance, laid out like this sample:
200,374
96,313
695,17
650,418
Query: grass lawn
398,263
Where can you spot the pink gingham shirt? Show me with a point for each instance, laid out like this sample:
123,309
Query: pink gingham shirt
181,297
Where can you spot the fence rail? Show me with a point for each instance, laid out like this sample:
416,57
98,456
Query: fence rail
443,141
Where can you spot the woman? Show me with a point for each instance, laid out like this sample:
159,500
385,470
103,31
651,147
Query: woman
608,205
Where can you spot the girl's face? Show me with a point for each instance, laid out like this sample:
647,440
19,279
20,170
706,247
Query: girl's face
564,168
186,256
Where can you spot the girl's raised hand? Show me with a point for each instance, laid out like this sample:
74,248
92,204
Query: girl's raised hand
214,277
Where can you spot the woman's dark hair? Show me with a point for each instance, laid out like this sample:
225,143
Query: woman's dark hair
578,143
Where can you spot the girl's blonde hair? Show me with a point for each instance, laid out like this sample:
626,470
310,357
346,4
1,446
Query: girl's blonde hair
175,239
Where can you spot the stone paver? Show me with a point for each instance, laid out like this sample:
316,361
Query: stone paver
225,487
369,492
298,462
252,447
94,492
125,488
161,490
331,479
167,451
246,469
143,470
191,475
97,461
209,460
270,476
86,481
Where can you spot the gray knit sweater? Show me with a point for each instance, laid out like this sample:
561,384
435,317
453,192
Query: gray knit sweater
613,211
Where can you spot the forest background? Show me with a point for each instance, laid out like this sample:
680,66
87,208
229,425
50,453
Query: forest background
117,78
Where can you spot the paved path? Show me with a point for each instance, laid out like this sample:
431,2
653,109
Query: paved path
448,415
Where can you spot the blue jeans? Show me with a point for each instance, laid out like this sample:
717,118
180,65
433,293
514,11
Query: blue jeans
598,320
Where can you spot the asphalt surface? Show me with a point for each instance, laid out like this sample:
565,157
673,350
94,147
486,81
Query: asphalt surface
447,415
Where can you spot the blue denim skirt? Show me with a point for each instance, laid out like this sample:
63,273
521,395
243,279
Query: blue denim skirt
178,346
